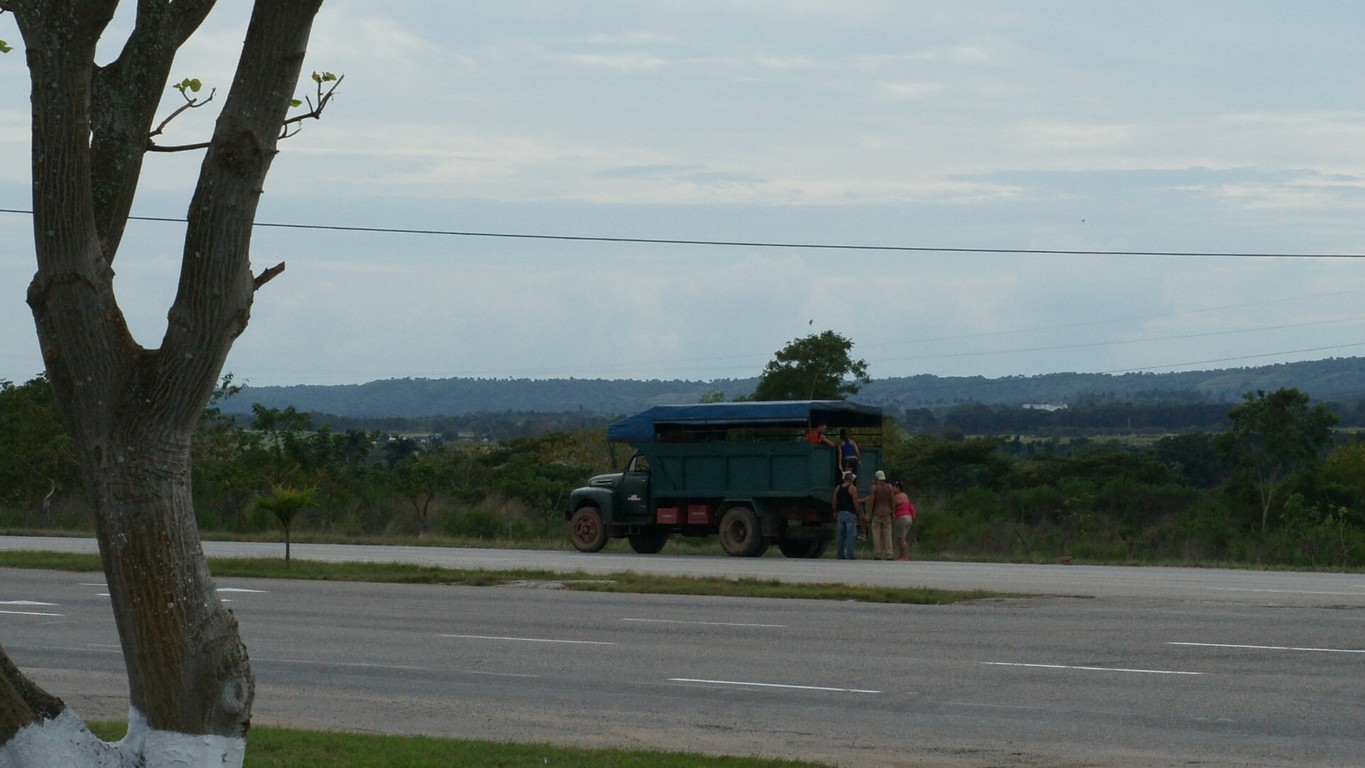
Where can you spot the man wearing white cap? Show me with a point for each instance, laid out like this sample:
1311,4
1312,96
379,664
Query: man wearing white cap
882,499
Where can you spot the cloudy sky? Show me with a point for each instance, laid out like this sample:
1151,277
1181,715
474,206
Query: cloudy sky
1015,188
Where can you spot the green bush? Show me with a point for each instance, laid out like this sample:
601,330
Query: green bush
1037,503
978,502
476,523
11,518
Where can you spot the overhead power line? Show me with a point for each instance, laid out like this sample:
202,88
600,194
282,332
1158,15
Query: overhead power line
853,247
764,244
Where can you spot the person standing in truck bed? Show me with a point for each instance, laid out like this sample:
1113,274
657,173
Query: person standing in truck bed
819,436
849,455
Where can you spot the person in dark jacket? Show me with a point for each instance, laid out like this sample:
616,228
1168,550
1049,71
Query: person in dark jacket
845,502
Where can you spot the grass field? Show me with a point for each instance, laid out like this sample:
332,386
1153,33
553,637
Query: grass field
284,748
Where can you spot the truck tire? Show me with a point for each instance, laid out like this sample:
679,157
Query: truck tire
802,547
586,530
648,543
740,533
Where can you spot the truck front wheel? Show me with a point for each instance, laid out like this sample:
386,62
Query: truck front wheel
740,534
586,530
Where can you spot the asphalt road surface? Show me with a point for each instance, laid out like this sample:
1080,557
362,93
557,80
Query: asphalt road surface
1104,667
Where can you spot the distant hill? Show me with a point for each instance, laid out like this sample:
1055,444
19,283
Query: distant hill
415,398
1334,380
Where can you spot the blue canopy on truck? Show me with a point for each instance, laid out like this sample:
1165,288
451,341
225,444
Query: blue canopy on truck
643,426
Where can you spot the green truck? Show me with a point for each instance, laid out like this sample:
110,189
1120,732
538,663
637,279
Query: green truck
745,471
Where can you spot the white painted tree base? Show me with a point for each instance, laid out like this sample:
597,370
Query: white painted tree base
65,742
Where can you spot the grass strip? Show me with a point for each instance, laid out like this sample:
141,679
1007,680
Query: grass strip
54,561
773,588
281,748
642,583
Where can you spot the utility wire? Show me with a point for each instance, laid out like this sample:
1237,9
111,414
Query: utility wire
824,246
761,243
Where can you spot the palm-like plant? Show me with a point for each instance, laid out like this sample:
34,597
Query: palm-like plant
284,503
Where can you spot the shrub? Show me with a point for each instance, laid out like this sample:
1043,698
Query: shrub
477,523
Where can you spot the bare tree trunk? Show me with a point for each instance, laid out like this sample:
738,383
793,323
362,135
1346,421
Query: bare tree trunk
19,698
187,668
131,410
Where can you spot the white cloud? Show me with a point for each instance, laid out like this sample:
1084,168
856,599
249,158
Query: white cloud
1067,125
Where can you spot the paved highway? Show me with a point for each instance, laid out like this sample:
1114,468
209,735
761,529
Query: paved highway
1215,584
1109,667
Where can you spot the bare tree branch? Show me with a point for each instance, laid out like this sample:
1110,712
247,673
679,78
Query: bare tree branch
267,276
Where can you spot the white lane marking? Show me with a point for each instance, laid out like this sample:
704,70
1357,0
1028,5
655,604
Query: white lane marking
705,623
220,589
1090,669
750,684
528,639
1271,647
981,705
495,674
1287,591
400,667
32,603
100,585
92,648
346,664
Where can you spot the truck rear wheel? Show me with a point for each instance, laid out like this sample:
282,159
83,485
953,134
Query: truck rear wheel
586,530
648,543
740,533
802,547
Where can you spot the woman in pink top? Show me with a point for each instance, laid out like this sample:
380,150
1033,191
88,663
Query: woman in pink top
905,515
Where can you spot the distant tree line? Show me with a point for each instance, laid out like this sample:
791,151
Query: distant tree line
1087,417
1332,380
1275,479
474,426
1280,485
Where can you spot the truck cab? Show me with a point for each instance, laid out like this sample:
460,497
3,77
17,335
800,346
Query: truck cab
748,472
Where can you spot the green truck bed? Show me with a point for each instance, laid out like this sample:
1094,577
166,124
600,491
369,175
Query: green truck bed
743,470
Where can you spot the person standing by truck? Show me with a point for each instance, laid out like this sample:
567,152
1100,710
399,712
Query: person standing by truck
905,517
846,503
882,500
